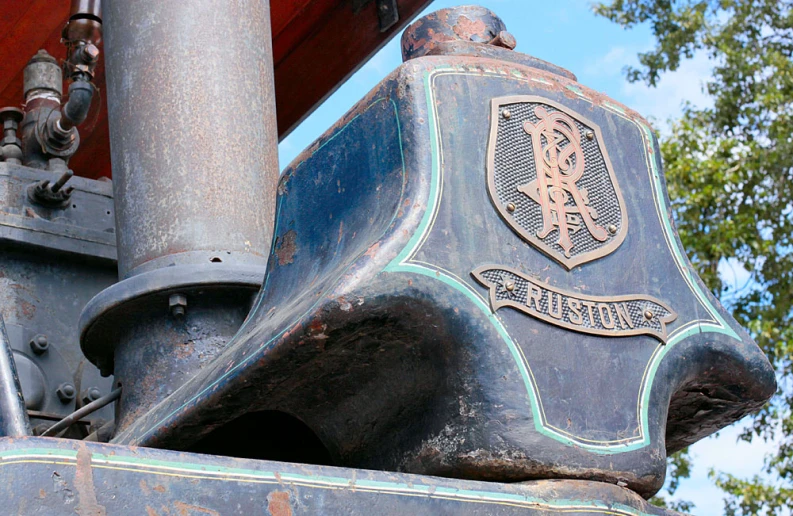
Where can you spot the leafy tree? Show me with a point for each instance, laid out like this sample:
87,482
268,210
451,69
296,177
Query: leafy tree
729,169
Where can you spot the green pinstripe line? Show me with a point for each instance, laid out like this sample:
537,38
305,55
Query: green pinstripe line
403,263
151,466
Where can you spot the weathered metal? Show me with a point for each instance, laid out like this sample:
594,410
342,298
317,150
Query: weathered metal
56,476
372,330
194,160
53,260
195,171
13,413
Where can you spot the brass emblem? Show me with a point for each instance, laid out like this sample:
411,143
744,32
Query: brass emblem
614,316
551,179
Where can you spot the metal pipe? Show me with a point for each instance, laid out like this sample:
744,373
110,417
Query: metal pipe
80,413
193,135
13,413
193,141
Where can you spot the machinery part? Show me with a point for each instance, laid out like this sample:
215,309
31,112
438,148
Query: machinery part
207,181
89,395
177,304
122,480
13,413
39,344
198,197
52,195
42,78
471,31
82,412
11,145
66,392
393,323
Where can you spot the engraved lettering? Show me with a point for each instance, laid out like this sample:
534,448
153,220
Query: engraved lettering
535,294
575,311
527,296
589,306
605,316
560,162
623,315
556,314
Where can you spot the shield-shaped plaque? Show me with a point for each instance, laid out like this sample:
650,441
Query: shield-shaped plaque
550,178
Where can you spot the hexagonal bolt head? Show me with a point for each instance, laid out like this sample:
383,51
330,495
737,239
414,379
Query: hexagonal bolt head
177,303
91,53
66,392
39,344
90,394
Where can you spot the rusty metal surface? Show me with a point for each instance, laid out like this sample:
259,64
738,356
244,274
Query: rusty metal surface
54,477
53,260
371,330
191,109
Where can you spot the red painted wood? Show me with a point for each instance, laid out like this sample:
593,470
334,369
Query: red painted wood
317,44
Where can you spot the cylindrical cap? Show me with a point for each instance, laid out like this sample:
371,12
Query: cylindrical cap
87,9
43,74
467,23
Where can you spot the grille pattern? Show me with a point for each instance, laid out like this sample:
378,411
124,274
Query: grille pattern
514,166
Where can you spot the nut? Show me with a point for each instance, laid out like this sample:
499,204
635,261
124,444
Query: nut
177,303
39,344
90,394
66,392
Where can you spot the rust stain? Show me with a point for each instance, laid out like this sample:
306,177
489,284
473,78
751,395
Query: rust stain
84,483
150,511
372,251
186,509
42,494
278,503
465,28
286,248
159,488
28,310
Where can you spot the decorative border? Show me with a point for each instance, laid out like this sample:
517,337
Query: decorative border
196,471
405,262
549,251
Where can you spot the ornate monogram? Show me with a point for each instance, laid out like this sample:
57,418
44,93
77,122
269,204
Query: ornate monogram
551,180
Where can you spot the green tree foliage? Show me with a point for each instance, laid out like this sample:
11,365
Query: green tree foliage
729,169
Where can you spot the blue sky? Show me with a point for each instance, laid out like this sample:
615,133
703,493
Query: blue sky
567,33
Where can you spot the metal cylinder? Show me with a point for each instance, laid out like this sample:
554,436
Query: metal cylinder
193,142
86,9
193,131
42,77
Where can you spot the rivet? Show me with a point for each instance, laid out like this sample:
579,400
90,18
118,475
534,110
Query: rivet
590,135
506,114
510,207
648,315
510,286
612,229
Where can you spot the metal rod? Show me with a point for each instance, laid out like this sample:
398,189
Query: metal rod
82,412
13,414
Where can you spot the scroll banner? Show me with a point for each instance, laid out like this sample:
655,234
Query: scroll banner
608,316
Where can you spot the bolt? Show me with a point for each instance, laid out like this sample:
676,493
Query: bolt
590,135
66,392
510,286
648,315
178,305
510,207
506,114
89,395
39,344
612,229
91,53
